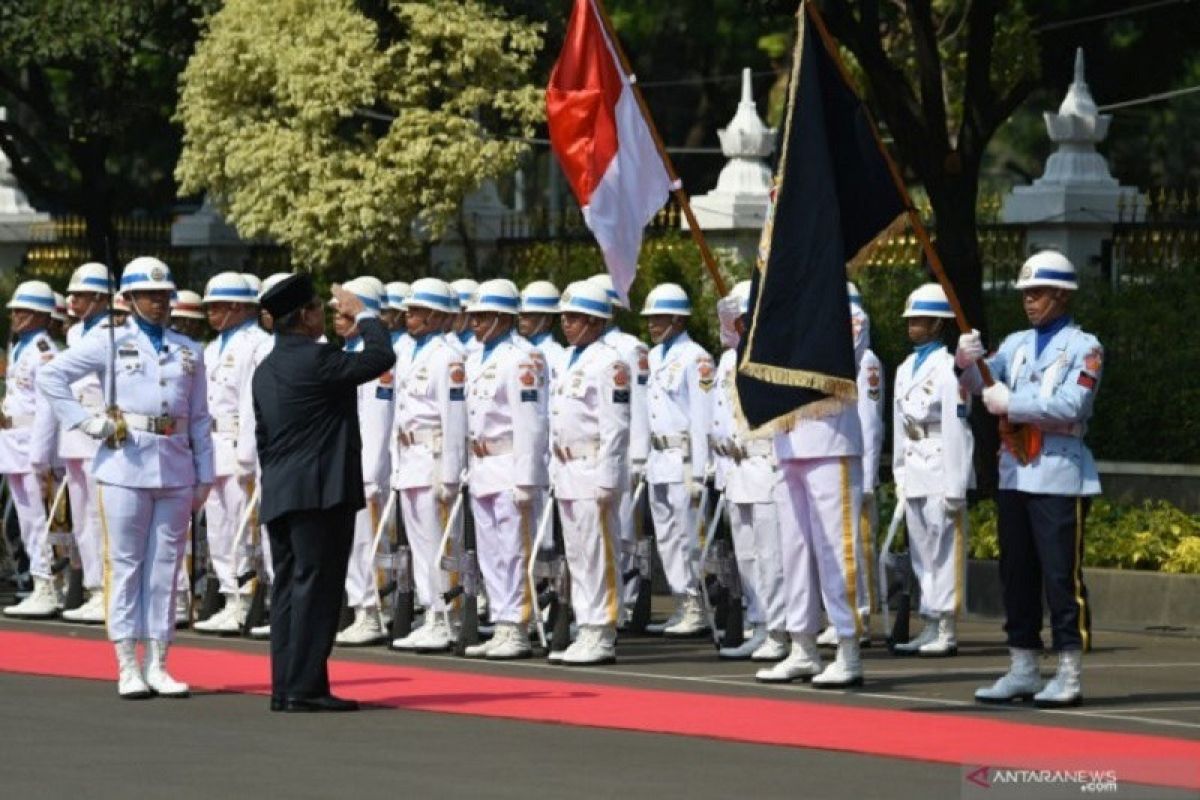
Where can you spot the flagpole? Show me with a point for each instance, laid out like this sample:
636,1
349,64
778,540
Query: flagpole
676,184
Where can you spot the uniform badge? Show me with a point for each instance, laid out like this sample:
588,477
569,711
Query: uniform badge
874,390
529,395
383,392
706,371
157,273
1094,360
43,345
458,375
643,365
620,375
457,393
386,379
620,396
1086,381
526,376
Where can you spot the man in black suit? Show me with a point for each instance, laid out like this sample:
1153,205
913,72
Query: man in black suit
309,447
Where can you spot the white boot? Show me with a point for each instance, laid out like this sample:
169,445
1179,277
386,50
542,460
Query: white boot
828,637
91,612
183,610
692,620
804,661
483,648
261,631
157,678
514,643
945,640
1064,689
774,648
746,648
1022,680
229,619
130,683
656,628
434,636
927,635
596,645
365,630
42,602
846,669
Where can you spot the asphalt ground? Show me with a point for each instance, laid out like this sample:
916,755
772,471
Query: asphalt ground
73,738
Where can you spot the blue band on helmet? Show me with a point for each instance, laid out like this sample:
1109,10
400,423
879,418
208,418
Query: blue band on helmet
101,282
856,300
367,301
541,302
612,294
395,298
929,305
48,302
675,305
590,305
430,297
500,300
139,277
233,292
1054,275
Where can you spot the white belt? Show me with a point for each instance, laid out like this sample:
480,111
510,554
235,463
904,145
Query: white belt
427,436
751,448
162,425
485,448
577,449
680,441
8,423
228,424
1074,429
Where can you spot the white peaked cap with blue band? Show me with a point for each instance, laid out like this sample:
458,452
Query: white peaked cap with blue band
366,289
1047,268
928,300
90,277
669,299
33,296
586,297
253,281
432,293
394,294
186,304
855,294
540,297
147,274
466,289
604,281
499,295
229,287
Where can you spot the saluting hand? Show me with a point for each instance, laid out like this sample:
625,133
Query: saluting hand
348,303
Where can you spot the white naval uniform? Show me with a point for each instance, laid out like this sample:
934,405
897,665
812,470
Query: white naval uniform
29,355
230,362
428,441
147,484
589,419
870,417
375,399
820,461
747,474
932,448
247,445
677,399
508,440
554,353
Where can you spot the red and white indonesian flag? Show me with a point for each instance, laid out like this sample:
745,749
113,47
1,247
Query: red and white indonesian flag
604,143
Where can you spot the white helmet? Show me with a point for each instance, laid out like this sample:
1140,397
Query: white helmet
271,281
229,287
186,304
432,293
395,292
928,300
669,299
540,297
855,294
499,295
466,289
365,289
253,282
146,274
586,297
374,283
604,281
90,277
1047,268
33,296
60,308
741,291
121,305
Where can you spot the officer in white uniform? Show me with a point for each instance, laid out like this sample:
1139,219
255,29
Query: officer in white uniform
466,290
29,353
747,474
232,310
187,314
393,311
539,311
375,400
508,441
157,469
589,418
428,449
1046,383
932,452
678,402
637,355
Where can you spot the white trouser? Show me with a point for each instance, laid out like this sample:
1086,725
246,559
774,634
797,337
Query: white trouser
590,537
820,544
26,492
224,509
755,529
424,523
144,534
868,523
676,535
627,544
360,571
503,539
85,518
937,541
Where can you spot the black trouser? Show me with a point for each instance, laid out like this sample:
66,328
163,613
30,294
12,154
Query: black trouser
310,551
1041,549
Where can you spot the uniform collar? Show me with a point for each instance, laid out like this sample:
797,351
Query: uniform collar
921,352
465,336
537,339
155,333
494,343
668,343
1047,331
228,333
422,340
93,320
24,339
576,352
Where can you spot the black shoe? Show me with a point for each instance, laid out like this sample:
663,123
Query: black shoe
277,703
328,702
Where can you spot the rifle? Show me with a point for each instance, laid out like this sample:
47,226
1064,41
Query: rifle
399,562
643,554
720,580
467,566
61,539
900,562
246,539
553,591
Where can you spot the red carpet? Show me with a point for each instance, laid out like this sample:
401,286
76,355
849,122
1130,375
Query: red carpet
923,736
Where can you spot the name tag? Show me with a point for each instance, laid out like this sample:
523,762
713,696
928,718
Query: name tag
383,393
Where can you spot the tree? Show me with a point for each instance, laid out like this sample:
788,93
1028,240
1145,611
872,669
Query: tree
350,130
89,88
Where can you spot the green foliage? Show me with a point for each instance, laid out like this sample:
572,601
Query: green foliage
350,136
1152,536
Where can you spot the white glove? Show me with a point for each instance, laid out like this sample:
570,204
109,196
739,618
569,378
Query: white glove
98,427
953,505
446,492
605,497
970,350
523,497
637,471
996,398
371,491
200,495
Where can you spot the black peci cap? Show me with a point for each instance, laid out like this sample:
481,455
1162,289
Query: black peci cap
290,294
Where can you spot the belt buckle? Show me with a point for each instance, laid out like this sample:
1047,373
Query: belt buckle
913,429
5,422
164,425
